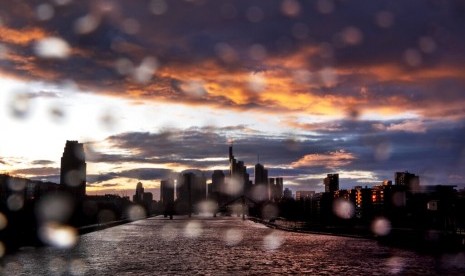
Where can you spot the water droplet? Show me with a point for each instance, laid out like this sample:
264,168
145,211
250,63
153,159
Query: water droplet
395,265
169,232
193,229
20,105
131,26
78,267
290,8
257,82
61,236
412,57
136,212
255,14
74,178
300,31
226,52
52,47
384,19
86,24
207,207
343,208
57,114
233,237
381,226
257,52
62,2
3,221
17,184
228,11
145,71
194,88
427,44
54,208
352,35
45,11
57,266
15,202
3,51
273,241
325,6
158,7
269,211
383,151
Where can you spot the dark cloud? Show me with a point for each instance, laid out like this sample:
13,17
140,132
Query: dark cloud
42,162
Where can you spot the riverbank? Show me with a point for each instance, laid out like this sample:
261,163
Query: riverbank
424,241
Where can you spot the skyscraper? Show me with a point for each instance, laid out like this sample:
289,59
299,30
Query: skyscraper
73,170
331,183
167,191
238,172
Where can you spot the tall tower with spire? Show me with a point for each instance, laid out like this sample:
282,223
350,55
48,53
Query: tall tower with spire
73,170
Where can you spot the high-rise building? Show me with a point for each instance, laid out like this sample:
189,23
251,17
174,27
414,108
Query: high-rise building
191,188
331,183
167,191
73,170
238,174
408,180
302,195
218,189
138,197
287,193
279,188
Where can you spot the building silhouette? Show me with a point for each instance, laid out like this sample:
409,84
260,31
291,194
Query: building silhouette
408,180
218,189
73,170
238,174
191,189
331,183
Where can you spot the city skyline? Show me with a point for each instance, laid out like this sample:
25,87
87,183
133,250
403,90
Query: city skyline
326,92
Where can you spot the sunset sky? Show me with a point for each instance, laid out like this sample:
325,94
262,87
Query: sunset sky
361,88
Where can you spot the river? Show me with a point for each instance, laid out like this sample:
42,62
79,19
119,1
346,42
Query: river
222,246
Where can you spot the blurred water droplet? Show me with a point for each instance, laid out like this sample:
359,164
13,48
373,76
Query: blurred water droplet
131,26
193,230
257,52
384,19
259,192
52,47
226,52
169,232
17,184
124,66
325,6
57,235
105,216
269,211
412,57
78,267
273,241
381,226
62,2
453,260
3,221
207,207
383,151
145,71
395,265
136,212
343,208
290,8
20,105
74,178
2,250
108,120
86,24
254,14
232,237
45,11
399,199
300,31
257,82
228,11
158,7
352,35
57,266
15,202
54,208
92,155
233,186
57,114
328,77
194,88
302,76
427,44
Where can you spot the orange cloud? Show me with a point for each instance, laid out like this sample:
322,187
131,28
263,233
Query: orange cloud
330,160
21,36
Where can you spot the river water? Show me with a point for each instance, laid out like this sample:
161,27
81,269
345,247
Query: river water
222,246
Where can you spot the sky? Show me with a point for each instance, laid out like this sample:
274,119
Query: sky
359,88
